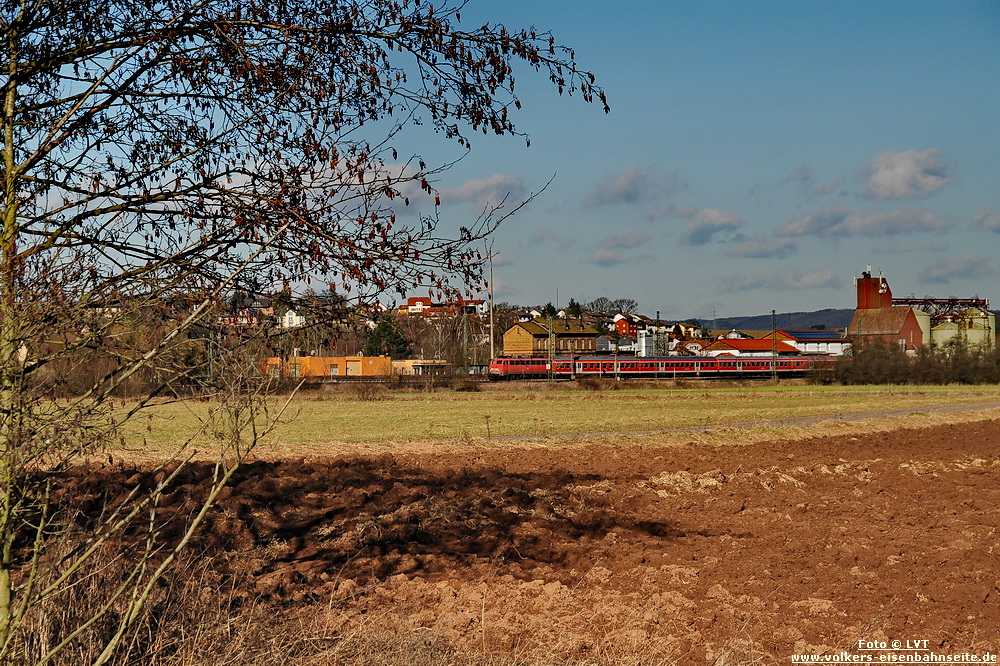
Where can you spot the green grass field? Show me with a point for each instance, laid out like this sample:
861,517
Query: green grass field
379,419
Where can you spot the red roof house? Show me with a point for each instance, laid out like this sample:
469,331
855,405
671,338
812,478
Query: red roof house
749,348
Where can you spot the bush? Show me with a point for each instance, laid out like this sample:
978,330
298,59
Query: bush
468,386
952,363
369,391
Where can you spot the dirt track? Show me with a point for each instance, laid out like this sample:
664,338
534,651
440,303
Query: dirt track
693,554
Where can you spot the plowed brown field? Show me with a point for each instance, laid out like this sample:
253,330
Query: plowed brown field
632,554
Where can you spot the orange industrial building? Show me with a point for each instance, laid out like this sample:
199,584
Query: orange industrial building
301,367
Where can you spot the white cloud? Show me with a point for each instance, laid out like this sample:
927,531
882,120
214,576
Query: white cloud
810,279
542,236
989,219
609,252
840,221
785,280
969,266
658,212
501,259
802,176
503,290
640,183
626,239
759,247
608,257
826,188
708,223
483,192
911,173
898,248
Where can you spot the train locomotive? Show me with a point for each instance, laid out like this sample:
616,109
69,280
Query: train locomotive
659,367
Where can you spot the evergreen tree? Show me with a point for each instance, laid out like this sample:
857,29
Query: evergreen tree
386,340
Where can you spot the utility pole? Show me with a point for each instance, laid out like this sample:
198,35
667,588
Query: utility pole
774,346
552,347
658,346
489,255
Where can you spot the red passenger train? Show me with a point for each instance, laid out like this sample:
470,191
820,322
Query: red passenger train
659,367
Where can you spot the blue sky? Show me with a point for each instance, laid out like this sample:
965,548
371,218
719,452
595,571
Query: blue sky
758,155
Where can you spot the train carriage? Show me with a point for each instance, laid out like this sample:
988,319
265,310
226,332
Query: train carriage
668,367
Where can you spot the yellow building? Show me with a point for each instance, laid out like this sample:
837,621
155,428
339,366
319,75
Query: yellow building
531,338
419,366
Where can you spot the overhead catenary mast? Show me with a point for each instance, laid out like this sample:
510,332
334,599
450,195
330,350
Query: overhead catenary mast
489,256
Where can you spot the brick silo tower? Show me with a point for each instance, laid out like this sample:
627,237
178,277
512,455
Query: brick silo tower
873,292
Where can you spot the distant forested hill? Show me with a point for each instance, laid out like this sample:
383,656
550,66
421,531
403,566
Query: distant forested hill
834,320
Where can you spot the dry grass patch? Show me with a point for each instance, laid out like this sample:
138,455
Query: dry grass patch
348,422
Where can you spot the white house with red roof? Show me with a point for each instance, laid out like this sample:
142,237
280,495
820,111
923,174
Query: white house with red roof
821,343
749,348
